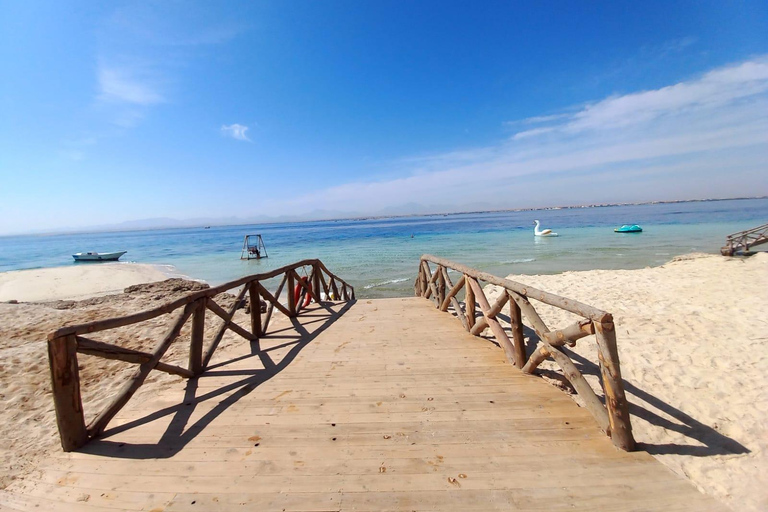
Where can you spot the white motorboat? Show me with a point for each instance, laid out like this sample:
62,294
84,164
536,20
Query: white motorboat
98,256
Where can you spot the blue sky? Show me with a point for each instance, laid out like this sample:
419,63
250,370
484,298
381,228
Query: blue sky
228,111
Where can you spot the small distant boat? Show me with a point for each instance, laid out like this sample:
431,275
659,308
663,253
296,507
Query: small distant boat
542,232
629,228
98,256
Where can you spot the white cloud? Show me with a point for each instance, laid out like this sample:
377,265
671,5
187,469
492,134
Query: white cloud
236,131
122,85
703,137
715,90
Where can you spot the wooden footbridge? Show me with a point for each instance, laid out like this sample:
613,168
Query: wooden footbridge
387,404
743,241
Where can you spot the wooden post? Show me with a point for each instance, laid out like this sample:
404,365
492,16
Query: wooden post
335,289
316,281
291,297
469,303
490,318
198,333
482,323
65,382
613,387
516,325
427,279
255,298
440,286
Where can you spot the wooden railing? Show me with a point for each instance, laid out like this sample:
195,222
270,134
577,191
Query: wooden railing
613,417
743,240
64,344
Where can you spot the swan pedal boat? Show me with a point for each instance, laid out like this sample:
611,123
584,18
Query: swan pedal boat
98,256
542,232
629,228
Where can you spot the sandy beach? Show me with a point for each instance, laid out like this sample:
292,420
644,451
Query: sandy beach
690,336
74,282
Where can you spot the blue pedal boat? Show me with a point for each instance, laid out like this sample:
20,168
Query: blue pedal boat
627,228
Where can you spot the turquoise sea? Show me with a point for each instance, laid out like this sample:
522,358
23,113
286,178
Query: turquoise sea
379,257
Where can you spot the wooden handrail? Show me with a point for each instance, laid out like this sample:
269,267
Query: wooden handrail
65,343
613,417
743,240
547,298
111,323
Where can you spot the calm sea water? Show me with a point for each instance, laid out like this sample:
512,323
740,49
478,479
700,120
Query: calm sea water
380,257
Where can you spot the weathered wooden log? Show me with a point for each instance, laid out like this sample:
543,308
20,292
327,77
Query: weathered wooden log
432,294
137,379
469,303
65,384
313,292
538,325
271,307
273,301
613,387
440,286
107,351
585,391
569,335
482,323
452,298
111,323
291,297
316,282
530,313
335,288
253,296
558,338
323,283
331,274
197,337
455,288
496,328
228,323
573,306
516,326
431,288
304,284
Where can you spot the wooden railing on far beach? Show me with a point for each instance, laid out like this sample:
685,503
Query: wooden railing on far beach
65,343
613,417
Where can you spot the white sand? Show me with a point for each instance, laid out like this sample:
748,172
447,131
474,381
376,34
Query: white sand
78,281
692,338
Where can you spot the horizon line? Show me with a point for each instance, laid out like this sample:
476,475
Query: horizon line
86,231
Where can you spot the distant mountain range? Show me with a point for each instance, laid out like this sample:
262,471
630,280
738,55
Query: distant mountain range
413,209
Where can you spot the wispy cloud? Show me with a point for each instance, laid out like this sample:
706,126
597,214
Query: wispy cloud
707,136
236,131
712,92
123,85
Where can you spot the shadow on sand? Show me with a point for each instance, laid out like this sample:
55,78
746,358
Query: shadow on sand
179,432
712,441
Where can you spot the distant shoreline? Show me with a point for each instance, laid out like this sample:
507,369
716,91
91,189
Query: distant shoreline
377,217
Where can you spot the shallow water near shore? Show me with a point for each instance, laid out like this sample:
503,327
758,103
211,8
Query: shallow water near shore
379,257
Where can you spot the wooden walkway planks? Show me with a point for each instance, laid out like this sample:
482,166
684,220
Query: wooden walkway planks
390,406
